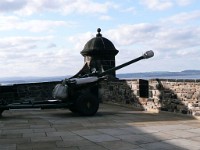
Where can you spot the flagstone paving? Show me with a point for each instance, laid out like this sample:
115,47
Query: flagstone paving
112,128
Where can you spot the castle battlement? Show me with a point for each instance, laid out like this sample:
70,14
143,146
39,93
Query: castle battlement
181,95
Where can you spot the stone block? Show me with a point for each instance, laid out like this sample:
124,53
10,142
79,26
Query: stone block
143,101
37,146
113,145
46,139
14,141
100,138
8,146
84,142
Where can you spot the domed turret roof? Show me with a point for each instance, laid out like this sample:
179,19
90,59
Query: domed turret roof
99,46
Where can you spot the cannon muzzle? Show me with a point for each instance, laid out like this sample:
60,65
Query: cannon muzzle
148,54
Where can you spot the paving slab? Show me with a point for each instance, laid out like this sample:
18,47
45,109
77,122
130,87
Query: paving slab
77,143
185,143
161,146
112,128
119,145
101,138
7,146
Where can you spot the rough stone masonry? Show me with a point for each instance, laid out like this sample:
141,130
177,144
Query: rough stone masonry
181,96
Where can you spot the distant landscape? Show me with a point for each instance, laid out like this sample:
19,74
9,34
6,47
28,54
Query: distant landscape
186,74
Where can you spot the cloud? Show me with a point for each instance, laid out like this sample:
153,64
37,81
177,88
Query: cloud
184,2
17,23
187,52
157,4
80,40
52,45
129,34
12,5
105,18
129,10
29,56
162,5
174,39
87,7
42,25
164,36
27,7
183,17
19,51
8,22
21,43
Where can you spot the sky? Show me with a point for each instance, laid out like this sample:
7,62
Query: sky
45,37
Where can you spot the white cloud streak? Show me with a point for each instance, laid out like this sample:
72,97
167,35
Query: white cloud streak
27,7
184,2
157,4
16,23
18,42
162,5
183,17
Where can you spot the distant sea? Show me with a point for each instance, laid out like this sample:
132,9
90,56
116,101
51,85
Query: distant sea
21,80
187,74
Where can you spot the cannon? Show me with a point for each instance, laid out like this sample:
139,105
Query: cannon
82,92
78,94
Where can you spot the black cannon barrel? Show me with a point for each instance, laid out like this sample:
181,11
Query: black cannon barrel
146,55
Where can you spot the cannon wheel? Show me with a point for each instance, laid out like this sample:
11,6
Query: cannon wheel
87,104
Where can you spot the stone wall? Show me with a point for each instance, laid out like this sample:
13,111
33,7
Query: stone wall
124,92
26,92
182,96
176,95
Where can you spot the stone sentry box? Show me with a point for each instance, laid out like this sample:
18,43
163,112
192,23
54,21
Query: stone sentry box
99,55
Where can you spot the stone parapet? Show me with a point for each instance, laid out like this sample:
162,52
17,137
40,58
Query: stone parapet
177,95
181,95
124,92
26,92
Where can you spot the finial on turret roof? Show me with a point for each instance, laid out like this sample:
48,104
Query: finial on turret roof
98,34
